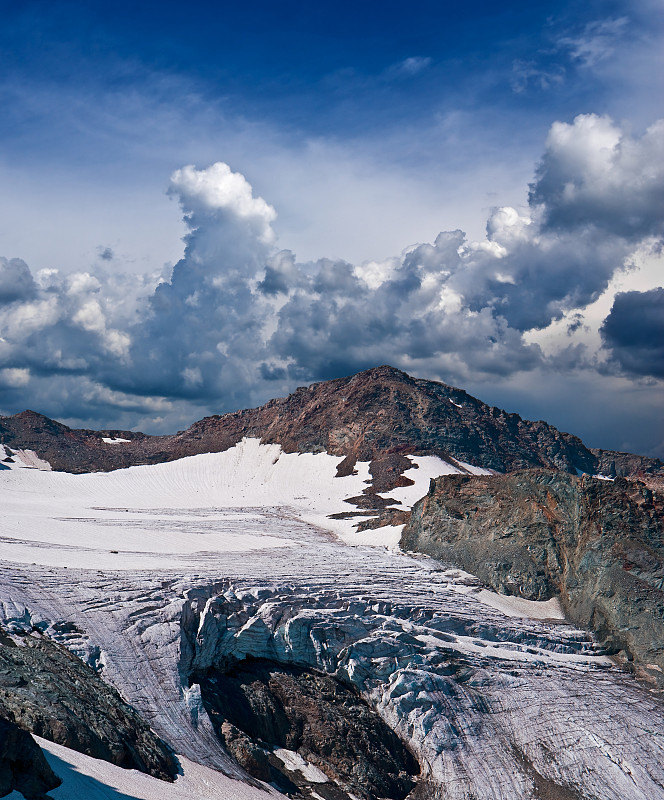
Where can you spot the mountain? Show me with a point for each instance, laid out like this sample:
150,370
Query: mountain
380,416
235,610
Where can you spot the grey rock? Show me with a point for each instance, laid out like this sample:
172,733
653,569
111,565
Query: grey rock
50,692
535,534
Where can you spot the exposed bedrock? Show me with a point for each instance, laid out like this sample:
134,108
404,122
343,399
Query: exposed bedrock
537,533
23,766
490,706
51,693
268,714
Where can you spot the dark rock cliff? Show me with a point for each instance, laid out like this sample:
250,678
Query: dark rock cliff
259,707
537,533
51,693
23,766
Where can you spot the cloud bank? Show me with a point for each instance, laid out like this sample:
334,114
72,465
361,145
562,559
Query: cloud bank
238,320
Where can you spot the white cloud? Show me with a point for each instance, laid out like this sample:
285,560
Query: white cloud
407,68
239,321
595,174
597,42
217,190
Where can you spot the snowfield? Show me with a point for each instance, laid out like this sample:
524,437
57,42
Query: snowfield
248,498
168,567
85,778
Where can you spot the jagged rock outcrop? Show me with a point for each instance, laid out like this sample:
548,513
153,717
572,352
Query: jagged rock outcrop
23,766
613,464
50,692
598,544
268,714
379,415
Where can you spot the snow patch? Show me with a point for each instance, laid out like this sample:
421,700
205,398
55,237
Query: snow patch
85,778
519,607
388,536
294,762
423,470
473,470
27,459
111,440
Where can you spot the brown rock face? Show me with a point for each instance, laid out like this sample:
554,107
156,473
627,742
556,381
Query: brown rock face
259,707
22,764
535,533
379,415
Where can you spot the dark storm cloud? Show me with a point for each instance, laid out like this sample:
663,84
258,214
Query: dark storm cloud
532,276
634,332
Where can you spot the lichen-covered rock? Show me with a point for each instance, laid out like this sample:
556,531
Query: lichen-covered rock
598,544
23,766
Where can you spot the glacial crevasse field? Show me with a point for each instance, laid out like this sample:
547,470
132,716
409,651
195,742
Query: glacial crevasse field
172,571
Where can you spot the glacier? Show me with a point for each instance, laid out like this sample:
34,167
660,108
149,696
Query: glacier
171,570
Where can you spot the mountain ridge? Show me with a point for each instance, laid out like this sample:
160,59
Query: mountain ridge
379,415
172,580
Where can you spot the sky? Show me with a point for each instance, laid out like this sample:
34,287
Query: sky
204,205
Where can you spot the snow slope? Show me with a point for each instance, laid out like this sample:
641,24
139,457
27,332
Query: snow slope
85,778
183,511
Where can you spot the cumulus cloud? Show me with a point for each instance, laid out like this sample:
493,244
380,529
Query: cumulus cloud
16,281
594,175
237,320
634,333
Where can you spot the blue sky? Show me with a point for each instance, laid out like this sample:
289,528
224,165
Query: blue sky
369,129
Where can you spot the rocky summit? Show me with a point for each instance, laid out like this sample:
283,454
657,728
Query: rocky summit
233,616
378,415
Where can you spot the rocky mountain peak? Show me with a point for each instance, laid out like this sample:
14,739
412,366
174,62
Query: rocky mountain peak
379,415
